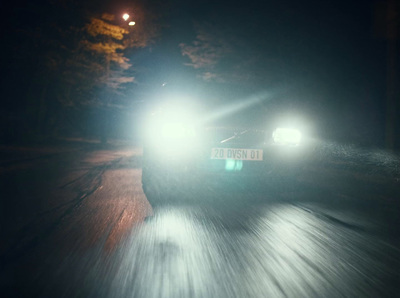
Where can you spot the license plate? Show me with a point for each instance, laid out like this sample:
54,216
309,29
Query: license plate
238,154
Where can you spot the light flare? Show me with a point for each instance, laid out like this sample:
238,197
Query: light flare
287,136
172,131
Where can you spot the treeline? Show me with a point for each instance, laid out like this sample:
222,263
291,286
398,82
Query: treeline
62,59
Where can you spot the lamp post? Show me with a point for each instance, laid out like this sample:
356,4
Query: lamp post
105,123
126,17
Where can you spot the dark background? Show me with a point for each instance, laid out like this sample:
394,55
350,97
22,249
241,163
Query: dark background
334,62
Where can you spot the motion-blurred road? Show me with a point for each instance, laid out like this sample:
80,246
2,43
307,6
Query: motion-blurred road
75,223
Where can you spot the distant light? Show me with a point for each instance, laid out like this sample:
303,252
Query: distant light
125,16
131,23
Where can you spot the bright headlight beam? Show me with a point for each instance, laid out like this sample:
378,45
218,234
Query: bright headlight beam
176,130
286,136
239,105
172,131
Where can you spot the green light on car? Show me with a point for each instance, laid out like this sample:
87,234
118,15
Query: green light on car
232,165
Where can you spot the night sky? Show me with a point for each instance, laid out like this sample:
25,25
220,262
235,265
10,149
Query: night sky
326,58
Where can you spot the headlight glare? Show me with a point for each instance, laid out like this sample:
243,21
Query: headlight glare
176,131
286,136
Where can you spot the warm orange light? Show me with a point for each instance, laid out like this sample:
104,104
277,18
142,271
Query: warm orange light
131,23
125,16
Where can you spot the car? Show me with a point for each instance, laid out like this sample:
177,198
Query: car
187,148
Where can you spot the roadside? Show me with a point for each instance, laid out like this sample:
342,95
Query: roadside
41,186
19,156
367,162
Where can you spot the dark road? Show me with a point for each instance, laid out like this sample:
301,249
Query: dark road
75,223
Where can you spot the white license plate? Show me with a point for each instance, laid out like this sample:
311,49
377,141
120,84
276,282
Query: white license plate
235,153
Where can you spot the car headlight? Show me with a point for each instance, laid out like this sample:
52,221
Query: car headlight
177,131
286,136
171,132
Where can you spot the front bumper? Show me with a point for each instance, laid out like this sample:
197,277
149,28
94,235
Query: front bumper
275,159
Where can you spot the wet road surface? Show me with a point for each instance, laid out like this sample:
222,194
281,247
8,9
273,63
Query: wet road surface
77,224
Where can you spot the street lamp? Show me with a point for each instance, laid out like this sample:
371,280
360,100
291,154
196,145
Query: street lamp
125,16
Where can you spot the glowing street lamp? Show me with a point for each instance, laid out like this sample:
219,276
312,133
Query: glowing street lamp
131,23
125,16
